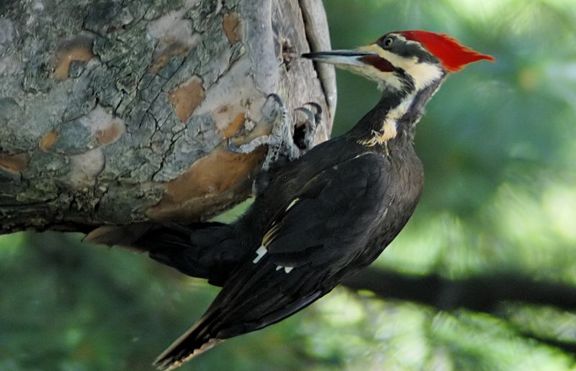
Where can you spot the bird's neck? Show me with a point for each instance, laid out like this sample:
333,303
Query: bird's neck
393,119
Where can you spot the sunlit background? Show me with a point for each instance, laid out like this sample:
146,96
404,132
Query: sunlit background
499,147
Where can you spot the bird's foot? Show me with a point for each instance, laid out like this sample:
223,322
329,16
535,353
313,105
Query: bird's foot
290,135
308,118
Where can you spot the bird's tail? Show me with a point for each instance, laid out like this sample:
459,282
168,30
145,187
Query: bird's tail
148,236
204,250
124,236
192,343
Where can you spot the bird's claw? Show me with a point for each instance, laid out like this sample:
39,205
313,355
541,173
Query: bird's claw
232,147
290,136
272,108
308,119
272,111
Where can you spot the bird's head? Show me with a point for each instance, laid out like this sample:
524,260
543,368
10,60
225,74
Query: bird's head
407,61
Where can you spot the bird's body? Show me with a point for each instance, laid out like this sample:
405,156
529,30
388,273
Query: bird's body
323,216
320,219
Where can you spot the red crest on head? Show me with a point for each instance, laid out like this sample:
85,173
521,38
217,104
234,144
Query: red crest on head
450,52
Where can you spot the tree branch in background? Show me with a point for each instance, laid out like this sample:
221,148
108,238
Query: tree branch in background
482,293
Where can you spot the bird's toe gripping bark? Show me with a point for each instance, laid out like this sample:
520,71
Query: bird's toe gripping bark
290,135
308,118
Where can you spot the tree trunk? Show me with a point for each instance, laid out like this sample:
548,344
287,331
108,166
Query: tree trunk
118,112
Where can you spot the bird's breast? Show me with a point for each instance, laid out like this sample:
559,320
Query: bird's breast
406,185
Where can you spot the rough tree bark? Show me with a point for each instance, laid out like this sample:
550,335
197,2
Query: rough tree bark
118,111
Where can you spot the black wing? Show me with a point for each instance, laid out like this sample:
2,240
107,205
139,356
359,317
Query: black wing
322,229
330,218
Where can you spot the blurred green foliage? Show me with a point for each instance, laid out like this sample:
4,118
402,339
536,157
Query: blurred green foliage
498,144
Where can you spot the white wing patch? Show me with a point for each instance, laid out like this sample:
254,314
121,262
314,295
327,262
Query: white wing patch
292,203
260,254
262,250
286,269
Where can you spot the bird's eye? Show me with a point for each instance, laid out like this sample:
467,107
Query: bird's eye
387,42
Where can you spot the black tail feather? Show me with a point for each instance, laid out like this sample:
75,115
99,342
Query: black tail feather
208,250
192,343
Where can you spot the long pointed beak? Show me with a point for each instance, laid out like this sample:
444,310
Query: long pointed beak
353,59
341,57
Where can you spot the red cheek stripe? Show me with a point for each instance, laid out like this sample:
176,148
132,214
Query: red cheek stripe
378,62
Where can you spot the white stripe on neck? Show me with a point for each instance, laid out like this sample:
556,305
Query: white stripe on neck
389,128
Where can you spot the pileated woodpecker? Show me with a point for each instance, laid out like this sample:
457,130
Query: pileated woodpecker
325,215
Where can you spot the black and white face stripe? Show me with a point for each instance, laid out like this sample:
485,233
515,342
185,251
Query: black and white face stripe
394,62
398,44
413,69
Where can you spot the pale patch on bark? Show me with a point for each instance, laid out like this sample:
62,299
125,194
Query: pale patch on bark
85,167
104,127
